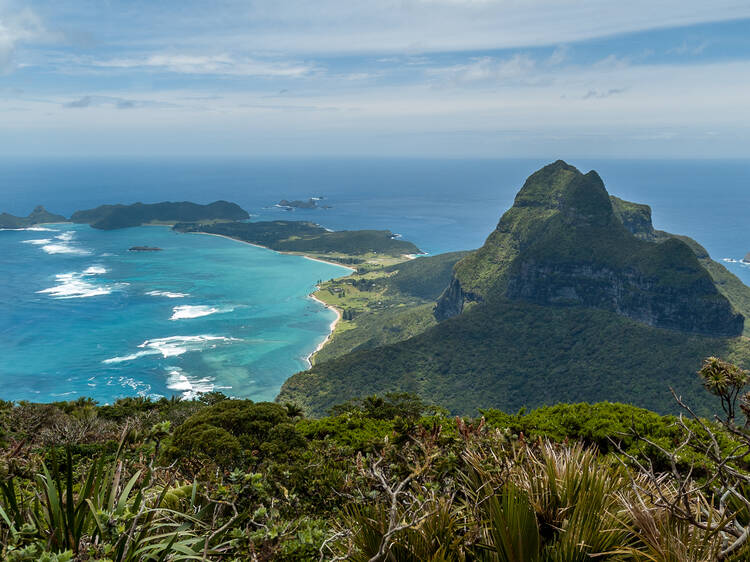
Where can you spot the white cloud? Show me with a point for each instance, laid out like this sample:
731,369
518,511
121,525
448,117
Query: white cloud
210,64
16,28
413,26
516,68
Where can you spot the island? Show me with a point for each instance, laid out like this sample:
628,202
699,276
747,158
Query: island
746,259
379,247
111,217
311,203
39,215
144,249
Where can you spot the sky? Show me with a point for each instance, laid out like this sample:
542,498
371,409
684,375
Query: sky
427,78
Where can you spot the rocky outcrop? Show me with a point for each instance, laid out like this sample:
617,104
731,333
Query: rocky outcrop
698,309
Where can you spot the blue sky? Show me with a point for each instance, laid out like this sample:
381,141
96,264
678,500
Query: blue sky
444,78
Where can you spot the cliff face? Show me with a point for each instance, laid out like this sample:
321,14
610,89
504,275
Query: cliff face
628,293
565,242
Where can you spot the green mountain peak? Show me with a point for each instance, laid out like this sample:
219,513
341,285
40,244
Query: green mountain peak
566,242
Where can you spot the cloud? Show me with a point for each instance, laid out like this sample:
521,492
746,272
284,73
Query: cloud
687,48
118,103
85,101
17,28
211,64
513,69
603,94
559,55
423,26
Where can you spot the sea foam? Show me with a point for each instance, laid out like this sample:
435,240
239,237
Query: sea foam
39,242
63,245
167,294
190,387
185,312
172,346
75,286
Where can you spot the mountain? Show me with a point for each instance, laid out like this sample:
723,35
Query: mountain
573,297
111,217
39,215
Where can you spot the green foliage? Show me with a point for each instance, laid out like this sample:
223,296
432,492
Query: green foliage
390,406
509,355
232,430
110,217
37,216
424,277
301,236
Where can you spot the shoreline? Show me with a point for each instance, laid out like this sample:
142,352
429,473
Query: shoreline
321,260
332,327
312,296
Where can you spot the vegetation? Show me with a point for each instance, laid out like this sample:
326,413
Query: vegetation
381,479
560,304
110,217
512,354
308,237
38,216
383,305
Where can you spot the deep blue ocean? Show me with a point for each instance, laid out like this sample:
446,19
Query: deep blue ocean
80,315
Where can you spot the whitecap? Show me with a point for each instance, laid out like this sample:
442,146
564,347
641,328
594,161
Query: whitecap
191,387
730,260
71,286
63,246
187,311
64,249
74,286
95,270
172,346
39,242
167,294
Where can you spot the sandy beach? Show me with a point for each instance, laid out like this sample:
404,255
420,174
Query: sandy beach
272,250
322,344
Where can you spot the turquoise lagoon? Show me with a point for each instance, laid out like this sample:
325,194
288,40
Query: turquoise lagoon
81,315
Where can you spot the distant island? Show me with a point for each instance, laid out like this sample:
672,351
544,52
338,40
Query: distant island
39,215
311,203
111,217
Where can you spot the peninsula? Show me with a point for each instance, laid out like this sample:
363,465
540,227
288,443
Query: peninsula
349,247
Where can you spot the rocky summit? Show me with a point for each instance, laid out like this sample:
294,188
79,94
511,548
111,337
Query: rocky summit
564,243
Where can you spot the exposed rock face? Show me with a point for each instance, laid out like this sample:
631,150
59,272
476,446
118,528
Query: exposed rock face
451,302
565,242
699,309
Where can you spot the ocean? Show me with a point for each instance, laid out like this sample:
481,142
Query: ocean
81,315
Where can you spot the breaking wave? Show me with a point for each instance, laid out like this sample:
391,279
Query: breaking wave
185,312
172,346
